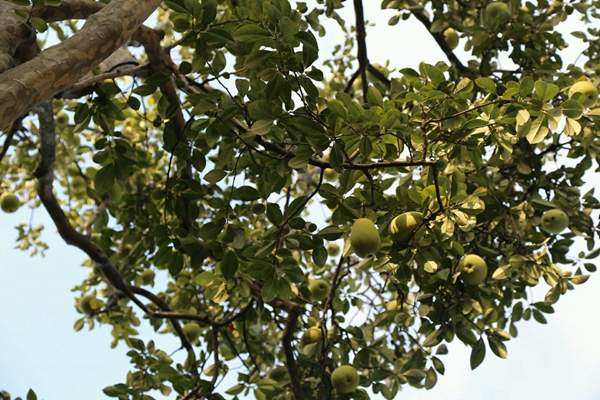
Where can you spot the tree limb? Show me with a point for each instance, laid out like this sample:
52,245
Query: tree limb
292,366
60,66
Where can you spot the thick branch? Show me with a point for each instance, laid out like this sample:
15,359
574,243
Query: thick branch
14,31
68,9
61,66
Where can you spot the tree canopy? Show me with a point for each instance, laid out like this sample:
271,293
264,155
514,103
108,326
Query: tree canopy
308,225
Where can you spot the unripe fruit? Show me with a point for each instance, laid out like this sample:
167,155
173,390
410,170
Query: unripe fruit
313,335
192,331
9,202
364,237
451,38
88,304
319,289
333,249
330,174
473,269
403,226
147,276
585,92
344,379
496,13
78,184
554,221
279,374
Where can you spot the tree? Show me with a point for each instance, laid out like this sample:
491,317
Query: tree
186,160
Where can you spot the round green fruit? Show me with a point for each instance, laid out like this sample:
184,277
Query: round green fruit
364,237
554,221
78,184
333,249
496,13
585,92
279,374
330,174
451,38
344,379
147,277
403,226
313,335
192,331
9,202
319,289
88,304
473,269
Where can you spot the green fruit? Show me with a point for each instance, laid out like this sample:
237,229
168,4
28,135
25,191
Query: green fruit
333,334
473,269
192,331
364,237
554,221
319,289
451,38
333,249
403,226
279,374
392,305
88,304
78,184
147,277
344,379
585,92
496,13
330,174
62,118
9,202
313,335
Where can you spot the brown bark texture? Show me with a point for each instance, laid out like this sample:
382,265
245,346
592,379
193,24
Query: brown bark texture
60,66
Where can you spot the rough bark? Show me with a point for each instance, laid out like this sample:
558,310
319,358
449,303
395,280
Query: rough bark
68,9
13,31
60,66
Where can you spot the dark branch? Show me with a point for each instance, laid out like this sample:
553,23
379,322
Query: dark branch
292,366
439,38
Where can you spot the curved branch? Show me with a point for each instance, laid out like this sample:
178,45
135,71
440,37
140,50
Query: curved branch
291,364
439,38
61,66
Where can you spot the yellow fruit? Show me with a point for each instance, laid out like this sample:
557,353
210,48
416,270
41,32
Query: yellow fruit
392,305
473,269
344,379
9,202
451,38
313,335
364,237
319,289
192,331
78,184
585,92
333,333
496,13
403,226
554,221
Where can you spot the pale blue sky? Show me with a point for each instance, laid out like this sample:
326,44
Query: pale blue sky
39,348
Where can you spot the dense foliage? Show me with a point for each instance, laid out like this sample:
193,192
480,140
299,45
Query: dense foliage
197,181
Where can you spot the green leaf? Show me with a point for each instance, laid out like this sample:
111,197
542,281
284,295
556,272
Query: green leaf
229,265
545,91
215,175
498,347
31,395
40,25
572,109
251,33
487,84
245,193
319,256
477,353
